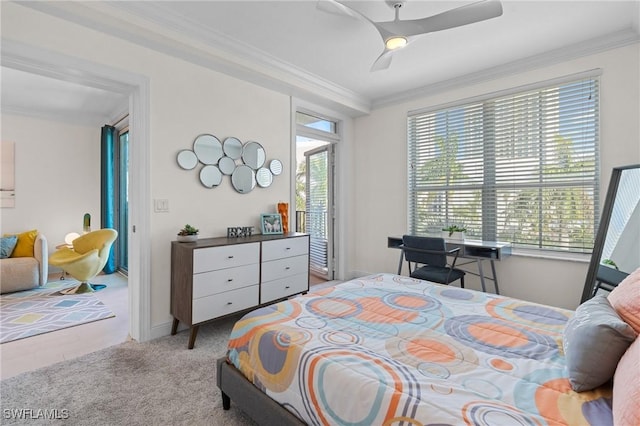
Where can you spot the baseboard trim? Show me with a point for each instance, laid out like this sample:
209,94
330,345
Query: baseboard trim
164,329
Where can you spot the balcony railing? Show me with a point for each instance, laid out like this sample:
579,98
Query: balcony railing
301,217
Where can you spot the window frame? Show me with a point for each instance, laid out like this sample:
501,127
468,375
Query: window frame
490,100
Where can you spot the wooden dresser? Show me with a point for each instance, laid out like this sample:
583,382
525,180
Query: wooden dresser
215,277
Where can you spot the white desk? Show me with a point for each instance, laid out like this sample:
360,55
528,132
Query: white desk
477,250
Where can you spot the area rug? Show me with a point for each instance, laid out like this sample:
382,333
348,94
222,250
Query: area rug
42,310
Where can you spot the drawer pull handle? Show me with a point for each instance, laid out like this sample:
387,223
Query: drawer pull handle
287,268
229,303
288,248
229,280
287,287
230,257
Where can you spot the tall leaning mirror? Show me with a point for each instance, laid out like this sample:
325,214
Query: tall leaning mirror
616,251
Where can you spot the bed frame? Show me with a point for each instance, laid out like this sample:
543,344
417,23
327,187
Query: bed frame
251,400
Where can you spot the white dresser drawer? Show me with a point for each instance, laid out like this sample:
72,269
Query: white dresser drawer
208,283
217,305
278,289
287,247
282,268
212,258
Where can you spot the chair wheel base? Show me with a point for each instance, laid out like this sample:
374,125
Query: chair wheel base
83,288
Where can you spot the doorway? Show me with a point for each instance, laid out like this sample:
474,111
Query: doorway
316,137
136,87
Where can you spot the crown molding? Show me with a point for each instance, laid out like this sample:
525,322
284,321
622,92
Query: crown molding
154,27
28,58
590,47
80,118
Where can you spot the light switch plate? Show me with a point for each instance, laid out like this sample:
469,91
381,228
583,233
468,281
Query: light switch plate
161,205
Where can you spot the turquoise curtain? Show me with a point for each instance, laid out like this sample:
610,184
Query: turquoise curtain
108,185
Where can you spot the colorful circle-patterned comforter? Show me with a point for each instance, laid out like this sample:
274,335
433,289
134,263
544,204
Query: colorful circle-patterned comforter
392,350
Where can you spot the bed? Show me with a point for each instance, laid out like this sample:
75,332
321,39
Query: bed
393,350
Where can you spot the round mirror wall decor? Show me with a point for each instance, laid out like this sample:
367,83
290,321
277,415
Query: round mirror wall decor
208,149
226,165
253,155
275,166
243,179
219,159
232,148
264,177
210,176
187,159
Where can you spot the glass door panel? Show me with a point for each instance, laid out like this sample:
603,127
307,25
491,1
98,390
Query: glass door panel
319,209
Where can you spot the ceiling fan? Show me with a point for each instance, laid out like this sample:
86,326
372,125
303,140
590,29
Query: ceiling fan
398,33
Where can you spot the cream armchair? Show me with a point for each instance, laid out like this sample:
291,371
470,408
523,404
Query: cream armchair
86,259
25,273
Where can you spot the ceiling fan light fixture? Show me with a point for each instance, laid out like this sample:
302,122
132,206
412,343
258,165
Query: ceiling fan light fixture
395,42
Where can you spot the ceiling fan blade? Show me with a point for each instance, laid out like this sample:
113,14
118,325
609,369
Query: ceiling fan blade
336,8
464,15
383,61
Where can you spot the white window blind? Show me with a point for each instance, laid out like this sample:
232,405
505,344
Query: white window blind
521,167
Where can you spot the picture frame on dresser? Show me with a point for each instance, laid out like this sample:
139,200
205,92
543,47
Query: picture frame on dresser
271,223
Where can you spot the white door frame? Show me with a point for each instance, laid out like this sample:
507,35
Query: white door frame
342,199
36,60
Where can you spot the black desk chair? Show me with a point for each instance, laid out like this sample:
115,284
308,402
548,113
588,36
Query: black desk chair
432,253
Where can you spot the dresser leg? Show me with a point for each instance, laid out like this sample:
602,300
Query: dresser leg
174,326
192,335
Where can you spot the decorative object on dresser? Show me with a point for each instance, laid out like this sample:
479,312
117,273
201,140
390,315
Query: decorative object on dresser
188,234
219,160
216,277
271,223
283,209
239,231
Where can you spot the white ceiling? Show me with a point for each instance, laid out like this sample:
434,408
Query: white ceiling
296,47
39,96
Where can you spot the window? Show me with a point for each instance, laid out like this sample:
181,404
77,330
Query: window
519,166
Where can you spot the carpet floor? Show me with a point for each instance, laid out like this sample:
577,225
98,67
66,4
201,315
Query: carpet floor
160,382
44,309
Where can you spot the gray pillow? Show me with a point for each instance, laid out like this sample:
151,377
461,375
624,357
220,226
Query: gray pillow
594,340
7,244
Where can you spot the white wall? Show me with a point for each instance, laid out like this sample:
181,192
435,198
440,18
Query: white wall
185,101
380,173
57,170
